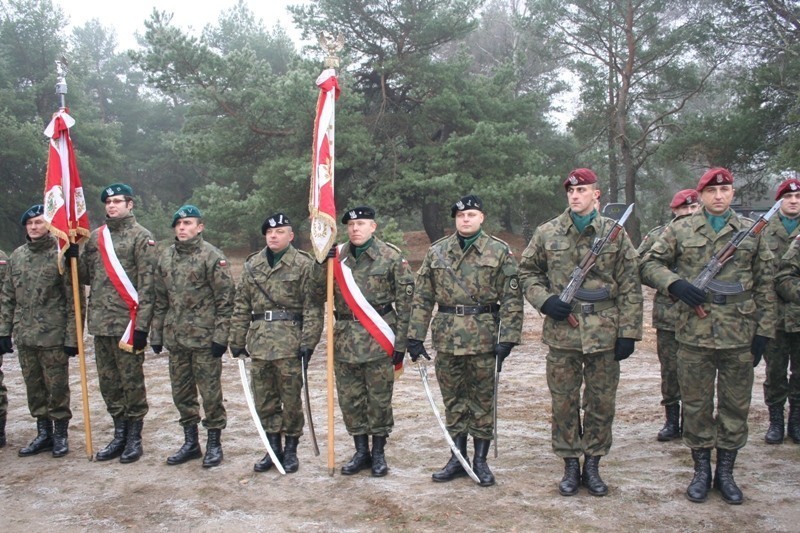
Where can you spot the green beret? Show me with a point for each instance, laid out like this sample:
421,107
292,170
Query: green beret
186,211
32,212
115,190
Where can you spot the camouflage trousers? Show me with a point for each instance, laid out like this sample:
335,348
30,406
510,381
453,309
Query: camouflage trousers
277,386
567,370
700,372
46,375
121,379
667,348
193,370
782,355
467,385
365,396
3,392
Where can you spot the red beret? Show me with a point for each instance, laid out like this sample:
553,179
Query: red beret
684,197
715,176
790,185
580,176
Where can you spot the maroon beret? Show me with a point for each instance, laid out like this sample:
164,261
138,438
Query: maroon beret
790,185
580,176
715,176
684,197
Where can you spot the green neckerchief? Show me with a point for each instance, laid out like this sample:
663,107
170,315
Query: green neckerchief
581,221
274,257
718,221
358,250
466,242
789,223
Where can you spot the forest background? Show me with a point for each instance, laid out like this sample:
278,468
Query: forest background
440,98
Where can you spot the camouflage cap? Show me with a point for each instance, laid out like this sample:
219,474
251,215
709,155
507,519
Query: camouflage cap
790,185
32,212
278,220
360,212
684,197
580,176
715,176
115,189
186,211
470,201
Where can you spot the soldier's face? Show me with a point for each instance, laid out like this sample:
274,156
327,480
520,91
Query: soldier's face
468,222
360,230
582,198
717,198
279,238
188,228
118,207
686,209
791,204
36,228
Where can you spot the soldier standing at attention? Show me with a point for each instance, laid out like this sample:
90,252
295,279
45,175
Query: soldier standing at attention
364,358
684,202
717,352
472,276
38,310
277,319
194,302
3,350
784,353
608,308
118,264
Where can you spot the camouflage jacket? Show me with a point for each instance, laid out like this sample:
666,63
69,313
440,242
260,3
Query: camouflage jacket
546,268
488,271
664,308
37,303
384,278
683,249
135,249
292,285
194,296
779,242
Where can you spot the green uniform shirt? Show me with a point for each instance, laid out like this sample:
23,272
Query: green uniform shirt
779,242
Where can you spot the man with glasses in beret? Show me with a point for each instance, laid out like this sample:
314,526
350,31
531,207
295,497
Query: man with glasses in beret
118,263
473,278
684,202
717,352
277,320
191,318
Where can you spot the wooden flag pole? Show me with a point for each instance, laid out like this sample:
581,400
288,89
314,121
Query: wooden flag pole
87,422
329,313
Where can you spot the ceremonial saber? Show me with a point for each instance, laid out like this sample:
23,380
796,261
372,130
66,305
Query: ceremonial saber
308,408
248,396
496,387
423,373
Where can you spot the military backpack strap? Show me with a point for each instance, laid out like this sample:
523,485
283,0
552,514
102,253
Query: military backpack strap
455,277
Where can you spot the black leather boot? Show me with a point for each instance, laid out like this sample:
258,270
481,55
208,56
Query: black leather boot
190,448
133,444
672,426
697,491
479,465
361,459
266,462
572,477
2,431
43,441
775,431
213,449
114,448
60,445
453,468
379,466
290,461
591,476
723,477
793,431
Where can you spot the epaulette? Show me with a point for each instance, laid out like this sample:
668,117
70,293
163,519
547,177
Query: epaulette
303,252
549,220
440,240
251,256
393,247
500,240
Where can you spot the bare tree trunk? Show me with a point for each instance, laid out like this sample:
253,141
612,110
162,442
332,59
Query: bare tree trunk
432,221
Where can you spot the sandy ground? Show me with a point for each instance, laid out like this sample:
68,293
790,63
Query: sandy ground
646,478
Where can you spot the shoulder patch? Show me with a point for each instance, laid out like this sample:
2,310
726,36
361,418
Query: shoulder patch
3,262
151,242
223,262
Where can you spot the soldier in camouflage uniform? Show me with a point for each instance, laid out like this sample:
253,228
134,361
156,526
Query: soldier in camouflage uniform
38,309
277,320
119,370
784,353
472,276
194,302
717,352
3,350
608,308
684,202
364,371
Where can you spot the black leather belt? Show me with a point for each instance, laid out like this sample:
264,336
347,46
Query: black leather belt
381,309
464,310
273,316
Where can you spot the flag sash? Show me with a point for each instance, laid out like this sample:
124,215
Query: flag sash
120,280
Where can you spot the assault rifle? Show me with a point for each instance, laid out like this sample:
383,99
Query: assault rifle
716,263
587,263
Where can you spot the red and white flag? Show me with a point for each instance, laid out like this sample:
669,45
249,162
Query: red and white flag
64,204
321,203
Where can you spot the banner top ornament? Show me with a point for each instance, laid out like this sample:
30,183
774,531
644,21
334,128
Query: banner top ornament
331,46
